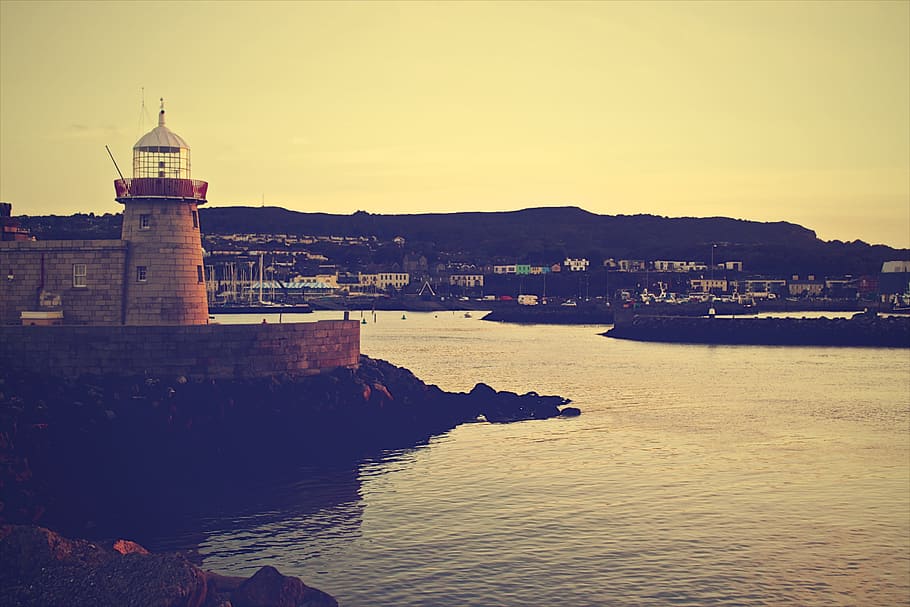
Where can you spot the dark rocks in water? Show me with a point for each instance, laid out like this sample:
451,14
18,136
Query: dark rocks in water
570,412
503,407
865,330
41,567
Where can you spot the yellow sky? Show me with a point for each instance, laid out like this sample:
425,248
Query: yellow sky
768,111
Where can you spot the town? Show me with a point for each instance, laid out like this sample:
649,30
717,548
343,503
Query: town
249,269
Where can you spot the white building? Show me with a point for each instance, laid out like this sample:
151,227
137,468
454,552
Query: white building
384,280
576,265
466,280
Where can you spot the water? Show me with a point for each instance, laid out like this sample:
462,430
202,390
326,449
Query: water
696,475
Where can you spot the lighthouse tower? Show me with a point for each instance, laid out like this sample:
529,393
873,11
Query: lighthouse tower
164,281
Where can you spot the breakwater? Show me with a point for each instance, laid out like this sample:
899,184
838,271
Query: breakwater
552,315
867,330
89,449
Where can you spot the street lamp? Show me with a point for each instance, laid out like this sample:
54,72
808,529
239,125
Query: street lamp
713,246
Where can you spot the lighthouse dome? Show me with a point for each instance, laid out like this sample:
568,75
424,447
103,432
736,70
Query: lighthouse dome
161,153
161,136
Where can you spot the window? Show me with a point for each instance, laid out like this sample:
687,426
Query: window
79,274
145,222
199,276
195,219
141,273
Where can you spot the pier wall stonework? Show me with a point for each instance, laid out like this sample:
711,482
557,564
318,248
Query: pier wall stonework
195,351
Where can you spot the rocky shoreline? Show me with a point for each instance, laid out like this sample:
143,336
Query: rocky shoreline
41,567
862,330
77,454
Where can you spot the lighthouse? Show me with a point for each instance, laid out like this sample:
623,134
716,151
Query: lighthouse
164,279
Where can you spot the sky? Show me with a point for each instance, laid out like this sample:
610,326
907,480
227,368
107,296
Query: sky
790,111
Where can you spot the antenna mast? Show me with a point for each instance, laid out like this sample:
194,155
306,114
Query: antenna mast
143,112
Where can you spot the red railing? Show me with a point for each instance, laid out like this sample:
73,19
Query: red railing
161,187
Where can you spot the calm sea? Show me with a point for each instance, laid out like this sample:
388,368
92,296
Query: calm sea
696,475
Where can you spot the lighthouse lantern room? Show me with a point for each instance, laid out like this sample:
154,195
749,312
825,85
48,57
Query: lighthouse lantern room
161,153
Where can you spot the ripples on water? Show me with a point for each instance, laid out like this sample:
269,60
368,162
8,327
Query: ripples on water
696,475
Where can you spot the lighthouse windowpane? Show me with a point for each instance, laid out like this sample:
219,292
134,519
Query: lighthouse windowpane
141,273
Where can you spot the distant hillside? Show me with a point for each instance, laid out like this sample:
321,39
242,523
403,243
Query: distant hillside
539,235
549,234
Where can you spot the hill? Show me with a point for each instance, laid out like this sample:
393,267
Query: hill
537,236
541,235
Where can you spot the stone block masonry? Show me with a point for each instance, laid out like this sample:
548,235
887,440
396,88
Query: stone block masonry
91,293
195,351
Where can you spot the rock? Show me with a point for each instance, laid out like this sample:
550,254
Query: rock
482,391
269,588
570,412
165,580
129,547
41,567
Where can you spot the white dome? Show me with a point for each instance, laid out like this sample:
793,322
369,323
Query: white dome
161,137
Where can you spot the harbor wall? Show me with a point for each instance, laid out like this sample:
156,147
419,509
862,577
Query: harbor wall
193,351
862,329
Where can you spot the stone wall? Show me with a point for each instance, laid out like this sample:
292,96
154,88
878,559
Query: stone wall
194,351
99,302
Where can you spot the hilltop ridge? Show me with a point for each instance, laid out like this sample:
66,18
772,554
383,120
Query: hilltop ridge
538,235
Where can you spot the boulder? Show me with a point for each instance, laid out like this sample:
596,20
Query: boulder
269,588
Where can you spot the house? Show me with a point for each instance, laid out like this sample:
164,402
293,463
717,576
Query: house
632,265
576,265
708,285
384,280
808,287
467,281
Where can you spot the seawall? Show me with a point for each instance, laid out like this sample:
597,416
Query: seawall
552,315
197,351
861,330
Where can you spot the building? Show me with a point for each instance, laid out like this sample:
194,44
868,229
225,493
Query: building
576,265
9,227
762,287
632,265
807,287
153,275
468,281
708,285
384,281
137,306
